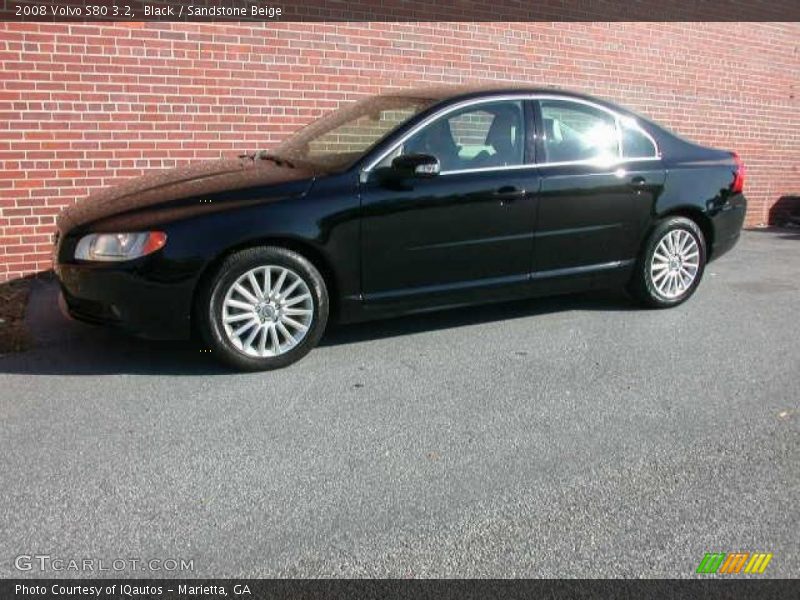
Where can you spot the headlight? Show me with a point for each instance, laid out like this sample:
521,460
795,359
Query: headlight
119,246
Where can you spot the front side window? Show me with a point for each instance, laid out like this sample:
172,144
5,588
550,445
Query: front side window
485,135
578,132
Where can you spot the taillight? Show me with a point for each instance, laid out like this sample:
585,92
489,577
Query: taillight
738,175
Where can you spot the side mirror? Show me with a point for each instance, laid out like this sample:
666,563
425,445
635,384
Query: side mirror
416,165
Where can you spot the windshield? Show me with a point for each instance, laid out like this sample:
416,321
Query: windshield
341,137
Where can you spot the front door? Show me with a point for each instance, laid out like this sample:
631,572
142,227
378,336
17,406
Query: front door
462,231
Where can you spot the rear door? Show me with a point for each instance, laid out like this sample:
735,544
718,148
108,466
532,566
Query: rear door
592,198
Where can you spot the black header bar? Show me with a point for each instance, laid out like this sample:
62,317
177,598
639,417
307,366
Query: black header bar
399,10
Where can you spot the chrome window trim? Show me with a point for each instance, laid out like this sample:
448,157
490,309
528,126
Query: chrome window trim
590,162
511,97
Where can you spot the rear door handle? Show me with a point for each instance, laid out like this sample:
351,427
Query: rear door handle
638,182
509,193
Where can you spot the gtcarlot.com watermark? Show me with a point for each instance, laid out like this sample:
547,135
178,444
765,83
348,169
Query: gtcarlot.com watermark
47,563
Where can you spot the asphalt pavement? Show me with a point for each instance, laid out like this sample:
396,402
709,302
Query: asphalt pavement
575,436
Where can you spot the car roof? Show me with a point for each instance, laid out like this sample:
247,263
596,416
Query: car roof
452,92
445,94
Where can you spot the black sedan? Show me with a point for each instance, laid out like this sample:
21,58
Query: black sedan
409,201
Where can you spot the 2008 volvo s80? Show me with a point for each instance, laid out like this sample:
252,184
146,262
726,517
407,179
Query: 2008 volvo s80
408,201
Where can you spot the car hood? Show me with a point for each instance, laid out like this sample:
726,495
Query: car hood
167,186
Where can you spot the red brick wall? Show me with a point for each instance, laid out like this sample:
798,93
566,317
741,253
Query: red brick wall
85,105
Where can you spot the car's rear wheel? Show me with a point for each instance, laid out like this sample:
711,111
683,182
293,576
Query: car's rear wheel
265,308
671,264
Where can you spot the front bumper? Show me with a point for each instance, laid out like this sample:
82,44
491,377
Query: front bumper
126,298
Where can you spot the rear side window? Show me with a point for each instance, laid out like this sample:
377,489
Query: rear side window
578,132
635,143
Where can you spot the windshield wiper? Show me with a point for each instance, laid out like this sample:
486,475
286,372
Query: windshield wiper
264,155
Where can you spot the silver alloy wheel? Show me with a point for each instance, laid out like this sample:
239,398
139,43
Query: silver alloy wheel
267,311
675,264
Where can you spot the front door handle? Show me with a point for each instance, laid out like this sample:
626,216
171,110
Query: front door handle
509,193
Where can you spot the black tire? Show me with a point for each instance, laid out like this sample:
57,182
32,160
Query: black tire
642,286
209,309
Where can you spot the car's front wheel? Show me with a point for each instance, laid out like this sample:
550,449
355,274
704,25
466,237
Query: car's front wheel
265,308
671,264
